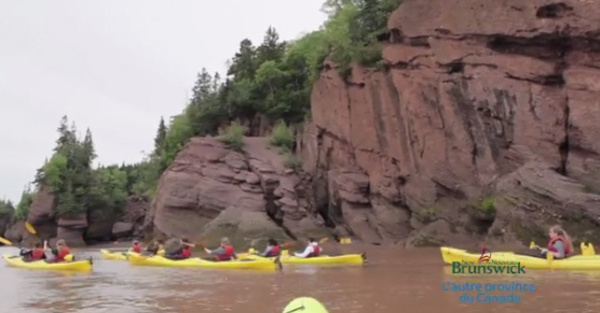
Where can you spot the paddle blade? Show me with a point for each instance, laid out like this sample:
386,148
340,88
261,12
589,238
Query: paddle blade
30,228
345,241
324,240
5,241
532,245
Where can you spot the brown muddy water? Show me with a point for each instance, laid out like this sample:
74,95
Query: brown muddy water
394,280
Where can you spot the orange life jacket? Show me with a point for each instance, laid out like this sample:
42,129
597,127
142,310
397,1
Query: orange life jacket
564,241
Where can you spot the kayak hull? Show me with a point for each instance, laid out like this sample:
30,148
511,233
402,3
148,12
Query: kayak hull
78,266
120,255
110,255
140,260
578,262
347,259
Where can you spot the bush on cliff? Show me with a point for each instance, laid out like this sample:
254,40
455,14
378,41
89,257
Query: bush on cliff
22,210
233,136
282,136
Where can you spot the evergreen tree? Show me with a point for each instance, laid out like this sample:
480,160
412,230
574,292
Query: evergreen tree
88,147
243,65
159,140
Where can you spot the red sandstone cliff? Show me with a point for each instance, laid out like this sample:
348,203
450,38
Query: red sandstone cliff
484,101
90,227
210,191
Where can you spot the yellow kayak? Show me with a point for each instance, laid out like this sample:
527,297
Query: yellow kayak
120,255
347,259
137,259
578,262
80,266
114,255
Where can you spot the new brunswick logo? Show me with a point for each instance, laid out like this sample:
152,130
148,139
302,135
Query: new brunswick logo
485,256
485,265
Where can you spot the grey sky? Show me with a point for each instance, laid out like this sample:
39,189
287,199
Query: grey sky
115,66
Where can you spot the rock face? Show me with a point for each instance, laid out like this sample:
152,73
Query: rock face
210,191
94,226
6,219
485,125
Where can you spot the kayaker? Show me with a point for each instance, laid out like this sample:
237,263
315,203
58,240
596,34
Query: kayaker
184,252
35,254
312,249
223,253
61,251
560,244
154,247
273,249
136,247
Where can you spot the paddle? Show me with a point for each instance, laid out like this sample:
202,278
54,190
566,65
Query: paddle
30,228
532,246
292,243
345,240
6,241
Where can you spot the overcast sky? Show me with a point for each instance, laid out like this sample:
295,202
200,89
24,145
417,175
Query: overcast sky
115,66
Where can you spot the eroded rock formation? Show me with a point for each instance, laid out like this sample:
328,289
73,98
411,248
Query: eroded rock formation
210,191
91,227
485,124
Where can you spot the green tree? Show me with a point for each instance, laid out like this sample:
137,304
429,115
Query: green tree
6,207
161,136
244,62
22,210
271,48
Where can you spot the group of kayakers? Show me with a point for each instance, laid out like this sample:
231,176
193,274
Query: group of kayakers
182,249
559,245
38,252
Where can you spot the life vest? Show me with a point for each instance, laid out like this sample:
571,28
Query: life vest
62,253
275,251
564,241
316,251
186,252
137,249
37,254
229,251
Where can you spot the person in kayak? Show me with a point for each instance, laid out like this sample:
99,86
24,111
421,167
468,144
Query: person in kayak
61,251
35,254
560,244
154,247
223,253
273,249
184,252
136,247
312,249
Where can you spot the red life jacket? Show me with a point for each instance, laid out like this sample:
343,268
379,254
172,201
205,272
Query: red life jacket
564,241
229,252
137,249
316,251
275,251
186,252
62,254
37,254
